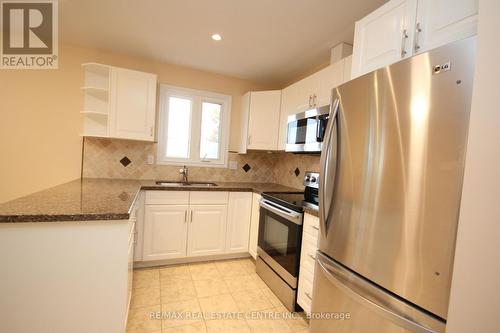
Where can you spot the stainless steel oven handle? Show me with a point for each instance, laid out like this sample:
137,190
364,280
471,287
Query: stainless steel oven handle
288,214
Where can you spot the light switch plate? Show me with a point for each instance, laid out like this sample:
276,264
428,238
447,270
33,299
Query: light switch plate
233,165
151,159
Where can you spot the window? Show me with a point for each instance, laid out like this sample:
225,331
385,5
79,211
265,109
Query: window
194,127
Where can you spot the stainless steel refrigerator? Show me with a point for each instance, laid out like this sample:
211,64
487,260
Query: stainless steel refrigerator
392,170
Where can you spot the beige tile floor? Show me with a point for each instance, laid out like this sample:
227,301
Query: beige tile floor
218,287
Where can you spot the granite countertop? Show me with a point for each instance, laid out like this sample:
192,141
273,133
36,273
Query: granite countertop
312,211
93,199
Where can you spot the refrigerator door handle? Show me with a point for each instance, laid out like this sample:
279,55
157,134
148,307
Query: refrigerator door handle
329,158
339,276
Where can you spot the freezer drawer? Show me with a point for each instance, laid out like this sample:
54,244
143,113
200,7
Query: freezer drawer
364,307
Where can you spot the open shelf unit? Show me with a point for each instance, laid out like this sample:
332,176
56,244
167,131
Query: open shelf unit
96,99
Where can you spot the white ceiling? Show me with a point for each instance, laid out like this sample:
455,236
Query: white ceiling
271,41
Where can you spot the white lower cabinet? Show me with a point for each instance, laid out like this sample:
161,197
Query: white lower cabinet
182,224
307,261
165,231
239,213
207,230
254,226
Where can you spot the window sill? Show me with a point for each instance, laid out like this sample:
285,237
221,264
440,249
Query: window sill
194,164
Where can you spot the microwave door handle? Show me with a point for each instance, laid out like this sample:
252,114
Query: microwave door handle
320,129
328,163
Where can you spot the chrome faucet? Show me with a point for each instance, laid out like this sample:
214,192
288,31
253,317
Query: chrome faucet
184,173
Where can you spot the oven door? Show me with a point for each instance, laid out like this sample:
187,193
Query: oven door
280,236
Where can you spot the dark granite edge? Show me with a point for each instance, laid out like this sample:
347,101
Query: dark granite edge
123,216
194,188
63,218
136,197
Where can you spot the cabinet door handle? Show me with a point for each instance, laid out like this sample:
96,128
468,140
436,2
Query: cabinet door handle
418,30
185,216
151,131
308,296
314,100
403,43
249,139
191,219
310,98
313,257
315,227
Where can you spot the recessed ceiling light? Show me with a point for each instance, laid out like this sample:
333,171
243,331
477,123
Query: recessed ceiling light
216,37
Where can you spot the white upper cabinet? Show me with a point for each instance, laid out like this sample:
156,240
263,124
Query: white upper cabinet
259,119
442,21
133,104
119,103
347,68
311,92
384,36
328,78
403,28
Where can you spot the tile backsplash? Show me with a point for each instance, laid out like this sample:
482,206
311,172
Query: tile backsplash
111,158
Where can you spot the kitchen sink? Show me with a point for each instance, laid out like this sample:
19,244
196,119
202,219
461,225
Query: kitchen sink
185,184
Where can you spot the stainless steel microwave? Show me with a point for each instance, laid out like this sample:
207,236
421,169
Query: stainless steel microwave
306,130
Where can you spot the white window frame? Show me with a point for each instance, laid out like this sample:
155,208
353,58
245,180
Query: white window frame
197,97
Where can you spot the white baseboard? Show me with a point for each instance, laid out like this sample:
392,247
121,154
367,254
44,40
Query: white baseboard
167,262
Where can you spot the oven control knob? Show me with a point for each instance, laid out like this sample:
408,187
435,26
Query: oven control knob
308,178
313,179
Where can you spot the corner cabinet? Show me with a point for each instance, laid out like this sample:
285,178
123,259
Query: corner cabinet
119,103
402,28
260,114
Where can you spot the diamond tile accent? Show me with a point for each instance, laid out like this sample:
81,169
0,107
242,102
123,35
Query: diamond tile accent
297,172
125,161
246,167
101,156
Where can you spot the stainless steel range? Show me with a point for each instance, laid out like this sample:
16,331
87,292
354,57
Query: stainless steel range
280,237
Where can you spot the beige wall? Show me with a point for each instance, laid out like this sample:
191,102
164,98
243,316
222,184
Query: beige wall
40,122
475,291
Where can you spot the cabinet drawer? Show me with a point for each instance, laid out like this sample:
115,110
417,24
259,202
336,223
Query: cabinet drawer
304,295
309,240
308,259
208,198
307,274
167,198
311,225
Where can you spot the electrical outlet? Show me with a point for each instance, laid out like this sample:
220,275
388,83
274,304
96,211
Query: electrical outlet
151,159
233,165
